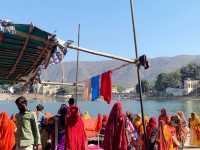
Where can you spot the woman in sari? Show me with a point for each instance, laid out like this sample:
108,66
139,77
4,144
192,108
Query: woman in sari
182,130
174,123
152,133
164,136
163,116
7,132
194,124
115,137
75,133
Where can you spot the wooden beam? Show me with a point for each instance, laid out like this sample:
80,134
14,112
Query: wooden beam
21,52
58,83
32,37
94,52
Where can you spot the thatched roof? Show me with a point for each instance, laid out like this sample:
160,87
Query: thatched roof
24,48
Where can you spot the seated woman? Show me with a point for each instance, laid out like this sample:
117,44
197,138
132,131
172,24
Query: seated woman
92,125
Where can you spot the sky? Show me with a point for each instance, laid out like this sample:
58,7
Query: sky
163,27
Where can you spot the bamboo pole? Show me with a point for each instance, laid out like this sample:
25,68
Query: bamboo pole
77,65
138,70
98,53
58,83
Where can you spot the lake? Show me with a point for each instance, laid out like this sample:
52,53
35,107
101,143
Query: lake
151,107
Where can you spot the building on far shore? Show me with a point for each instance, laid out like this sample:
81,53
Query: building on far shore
190,86
46,89
129,90
174,91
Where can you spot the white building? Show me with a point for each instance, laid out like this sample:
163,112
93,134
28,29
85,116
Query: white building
191,85
129,90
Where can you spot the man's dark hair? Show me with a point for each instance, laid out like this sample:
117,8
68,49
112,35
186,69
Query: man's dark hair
40,107
21,100
71,101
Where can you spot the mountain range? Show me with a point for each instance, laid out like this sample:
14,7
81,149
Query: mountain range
126,77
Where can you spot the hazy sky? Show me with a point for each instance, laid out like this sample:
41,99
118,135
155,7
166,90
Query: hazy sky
164,27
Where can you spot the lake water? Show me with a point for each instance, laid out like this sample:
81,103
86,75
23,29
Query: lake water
151,107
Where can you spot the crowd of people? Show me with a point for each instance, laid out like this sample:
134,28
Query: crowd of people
40,130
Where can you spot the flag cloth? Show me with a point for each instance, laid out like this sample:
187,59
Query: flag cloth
95,87
86,93
106,86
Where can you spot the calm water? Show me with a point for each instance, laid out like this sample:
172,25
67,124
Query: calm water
151,107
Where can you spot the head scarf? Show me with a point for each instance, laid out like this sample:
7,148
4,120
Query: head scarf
163,116
99,122
115,133
151,125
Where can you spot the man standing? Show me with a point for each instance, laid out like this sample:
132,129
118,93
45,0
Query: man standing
27,135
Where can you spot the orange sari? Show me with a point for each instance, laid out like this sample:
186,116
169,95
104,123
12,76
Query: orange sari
165,137
7,132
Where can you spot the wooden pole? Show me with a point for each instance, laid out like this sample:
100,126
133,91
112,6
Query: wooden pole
77,65
98,53
138,71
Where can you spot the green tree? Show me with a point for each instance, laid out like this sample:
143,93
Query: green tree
191,71
165,80
174,79
145,86
161,82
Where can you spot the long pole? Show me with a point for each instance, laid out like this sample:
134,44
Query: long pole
98,53
138,71
77,64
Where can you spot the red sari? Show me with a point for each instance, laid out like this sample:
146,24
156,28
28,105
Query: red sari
151,125
75,134
115,133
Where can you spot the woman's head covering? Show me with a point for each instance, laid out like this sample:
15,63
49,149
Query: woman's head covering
146,119
151,125
115,132
163,112
86,115
153,122
196,117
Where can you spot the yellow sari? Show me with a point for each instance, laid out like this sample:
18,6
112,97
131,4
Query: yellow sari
195,130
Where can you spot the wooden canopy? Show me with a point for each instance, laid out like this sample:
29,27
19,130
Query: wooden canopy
23,49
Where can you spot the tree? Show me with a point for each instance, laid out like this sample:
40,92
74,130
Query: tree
191,71
174,79
161,82
144,86
165,80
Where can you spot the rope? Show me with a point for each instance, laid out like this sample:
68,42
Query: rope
112,70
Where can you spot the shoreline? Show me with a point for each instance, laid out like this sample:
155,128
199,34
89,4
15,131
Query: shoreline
172,98
10,97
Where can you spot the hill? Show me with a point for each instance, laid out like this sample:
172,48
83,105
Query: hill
126,77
